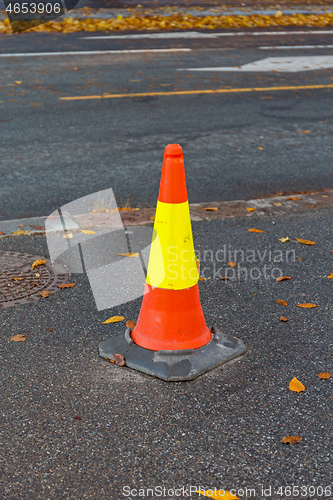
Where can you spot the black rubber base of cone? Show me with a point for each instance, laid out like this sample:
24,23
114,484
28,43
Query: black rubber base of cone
173,365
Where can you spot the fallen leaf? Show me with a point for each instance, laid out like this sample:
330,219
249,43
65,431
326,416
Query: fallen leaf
296,386
1,233
294,198
66,285
17,278
304,131
232,264
39,262
224,278
18,82
225,495
306,242
49,328
250,209
202,279
282,302
283,240
45,293
119,359
324,375
307,305
252,230
68,235
260,148
37,275
152,217
283,278
21,225
292,439
284,319
330,276
77,418
19,232
130,324
87,231
277,204
74,68
17,338
128,254
211,209
114,319
38,228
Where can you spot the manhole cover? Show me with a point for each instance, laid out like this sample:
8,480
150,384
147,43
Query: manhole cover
19,284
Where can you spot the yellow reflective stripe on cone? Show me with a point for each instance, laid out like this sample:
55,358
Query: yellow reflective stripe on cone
172,262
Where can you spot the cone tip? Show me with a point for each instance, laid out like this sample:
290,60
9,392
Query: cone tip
173,150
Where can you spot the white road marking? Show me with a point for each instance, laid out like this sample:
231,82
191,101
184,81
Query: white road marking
291,47
197,34
92,52
283,64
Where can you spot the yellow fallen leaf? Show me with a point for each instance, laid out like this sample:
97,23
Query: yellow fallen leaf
20,232
260,148
292,439
39,262
114,319
296,386
330,276
202,279
45,293
252,230
277,204
250,209
284,319
66,285
129,254
304,131
324,375
219,495
87,231
17,338
283,240
294,198
282,302
307,305
68,235
211,209
283,278
18,82
232,264
305,242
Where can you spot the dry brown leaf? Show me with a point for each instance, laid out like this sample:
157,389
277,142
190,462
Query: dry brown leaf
232,264
114,319
45,293
294,198
17,278
18,338
128,254
283,240
305,242
296,386
284,319
119,359
68,236
307,305
211,209
130,324
39,262
87,231
324,375
49,328
202,279
292,439
250,209
1,233
253,230
283,278
224,278
66,285
282,302
330,276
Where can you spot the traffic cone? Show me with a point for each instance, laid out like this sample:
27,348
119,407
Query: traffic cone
171,339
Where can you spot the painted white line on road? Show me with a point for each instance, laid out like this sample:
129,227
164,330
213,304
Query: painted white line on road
291,47
92,52
197,34
283,64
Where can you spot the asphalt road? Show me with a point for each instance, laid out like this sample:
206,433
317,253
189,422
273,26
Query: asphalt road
237,143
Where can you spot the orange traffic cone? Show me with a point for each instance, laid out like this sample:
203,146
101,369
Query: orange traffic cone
171,339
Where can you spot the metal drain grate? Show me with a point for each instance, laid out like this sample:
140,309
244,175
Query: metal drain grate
21,285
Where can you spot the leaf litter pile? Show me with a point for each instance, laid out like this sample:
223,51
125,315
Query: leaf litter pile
175,21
